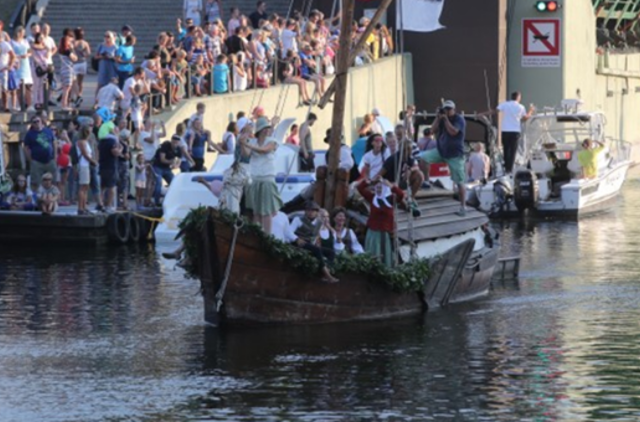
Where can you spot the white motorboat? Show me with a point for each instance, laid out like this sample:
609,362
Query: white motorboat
548,181
186,193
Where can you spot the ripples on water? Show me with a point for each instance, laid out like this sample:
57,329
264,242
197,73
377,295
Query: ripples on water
117,334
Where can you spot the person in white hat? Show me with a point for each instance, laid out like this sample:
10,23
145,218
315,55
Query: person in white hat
262,195
449,129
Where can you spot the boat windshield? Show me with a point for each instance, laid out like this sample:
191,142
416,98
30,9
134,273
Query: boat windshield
561,131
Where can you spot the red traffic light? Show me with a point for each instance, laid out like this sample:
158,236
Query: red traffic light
547,6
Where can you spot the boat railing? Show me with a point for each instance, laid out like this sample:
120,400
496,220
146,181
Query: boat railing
619,149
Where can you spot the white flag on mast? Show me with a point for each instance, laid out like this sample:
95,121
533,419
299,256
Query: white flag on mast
419,15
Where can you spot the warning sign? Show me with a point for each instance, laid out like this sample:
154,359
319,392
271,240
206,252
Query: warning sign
541,43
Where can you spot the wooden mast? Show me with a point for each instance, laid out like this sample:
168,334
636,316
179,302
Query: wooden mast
359,46
340,81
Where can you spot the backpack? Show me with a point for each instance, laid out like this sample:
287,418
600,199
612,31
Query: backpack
74,154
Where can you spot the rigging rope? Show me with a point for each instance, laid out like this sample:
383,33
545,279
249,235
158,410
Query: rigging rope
227,271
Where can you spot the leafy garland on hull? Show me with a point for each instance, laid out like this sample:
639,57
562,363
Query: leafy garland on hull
407,277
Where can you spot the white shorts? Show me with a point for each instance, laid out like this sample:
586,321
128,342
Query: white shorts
84,175
137,124
141,184
80,68
4,80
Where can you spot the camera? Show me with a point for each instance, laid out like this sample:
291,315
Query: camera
441,110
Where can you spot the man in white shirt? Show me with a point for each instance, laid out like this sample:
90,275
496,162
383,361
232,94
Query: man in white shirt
138,78
288,38
109,95
514,114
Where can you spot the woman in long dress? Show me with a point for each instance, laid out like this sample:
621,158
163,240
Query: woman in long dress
380,224
82,50
22,50
106,54
263,196
39,70
67,59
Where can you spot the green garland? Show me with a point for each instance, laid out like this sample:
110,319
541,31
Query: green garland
407,277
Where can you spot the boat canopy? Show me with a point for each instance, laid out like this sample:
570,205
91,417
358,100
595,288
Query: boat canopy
567,129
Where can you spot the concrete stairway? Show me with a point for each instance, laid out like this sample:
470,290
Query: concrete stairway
147,17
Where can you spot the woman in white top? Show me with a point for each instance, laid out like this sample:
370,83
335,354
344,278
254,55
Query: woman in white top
234,21
240,77
193,10
262,195
85,160
344,239
373,160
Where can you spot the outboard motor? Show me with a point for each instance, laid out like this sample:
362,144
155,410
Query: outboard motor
526,190
503,193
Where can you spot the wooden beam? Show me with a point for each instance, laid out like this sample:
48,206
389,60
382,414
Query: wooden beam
337,120
359,46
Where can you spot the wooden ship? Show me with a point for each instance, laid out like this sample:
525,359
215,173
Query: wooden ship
242,283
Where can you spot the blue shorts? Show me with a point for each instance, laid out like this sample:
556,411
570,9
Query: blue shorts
108,179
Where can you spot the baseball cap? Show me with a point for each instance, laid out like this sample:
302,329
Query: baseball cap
376,111
449,104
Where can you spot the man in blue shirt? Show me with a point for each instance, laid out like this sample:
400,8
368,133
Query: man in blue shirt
449,128
40,151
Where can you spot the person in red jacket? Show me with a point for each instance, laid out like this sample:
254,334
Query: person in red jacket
380,223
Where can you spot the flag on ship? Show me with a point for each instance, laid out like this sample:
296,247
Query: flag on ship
419,15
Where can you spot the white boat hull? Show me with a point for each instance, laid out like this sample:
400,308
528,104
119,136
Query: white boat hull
577,198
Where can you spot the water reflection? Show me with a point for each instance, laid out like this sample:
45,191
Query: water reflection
116,334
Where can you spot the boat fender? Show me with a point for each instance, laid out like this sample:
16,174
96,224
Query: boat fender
118,228
134,228
144,228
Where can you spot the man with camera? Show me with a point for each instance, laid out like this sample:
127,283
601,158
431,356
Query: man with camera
449,129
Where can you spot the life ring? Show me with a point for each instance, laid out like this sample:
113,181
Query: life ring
118,228
134,228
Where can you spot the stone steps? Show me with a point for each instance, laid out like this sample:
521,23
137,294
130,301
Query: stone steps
147,17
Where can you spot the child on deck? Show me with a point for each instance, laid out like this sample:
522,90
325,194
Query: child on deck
140,180
198,72
138,109
48,195
380,224
20,197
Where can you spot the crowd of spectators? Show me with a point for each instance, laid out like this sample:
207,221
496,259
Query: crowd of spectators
91,158
208,52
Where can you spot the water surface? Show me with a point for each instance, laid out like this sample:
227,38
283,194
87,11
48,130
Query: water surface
116,334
